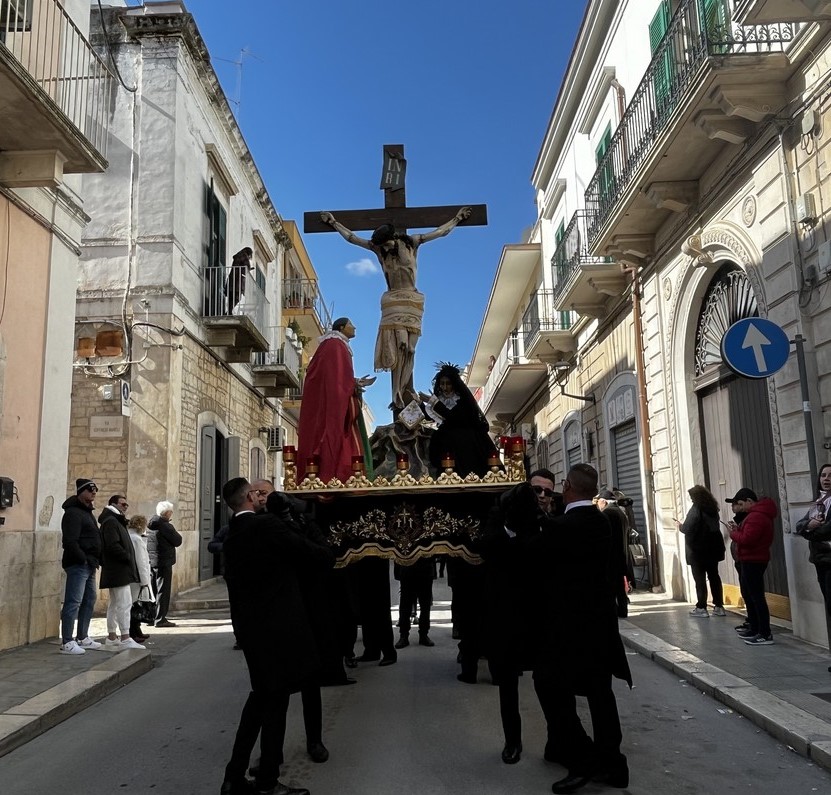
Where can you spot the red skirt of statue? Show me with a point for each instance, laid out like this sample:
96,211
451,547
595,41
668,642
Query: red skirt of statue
329,413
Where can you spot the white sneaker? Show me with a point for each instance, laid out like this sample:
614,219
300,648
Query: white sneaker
699,612
111,643
719,611
71,647
89,643
129,643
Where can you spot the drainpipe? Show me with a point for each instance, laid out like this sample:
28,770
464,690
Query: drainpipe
643,411
621,109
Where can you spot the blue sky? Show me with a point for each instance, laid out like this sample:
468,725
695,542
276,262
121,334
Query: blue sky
467,87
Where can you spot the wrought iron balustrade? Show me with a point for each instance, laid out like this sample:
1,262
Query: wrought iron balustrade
44,40
304,294
541,317
695,34
572,251
512,353
281,352
232,292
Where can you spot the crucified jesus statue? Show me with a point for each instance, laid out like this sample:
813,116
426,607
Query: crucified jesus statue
402,306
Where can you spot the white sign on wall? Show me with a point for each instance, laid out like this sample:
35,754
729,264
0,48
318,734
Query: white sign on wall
110,426
125,398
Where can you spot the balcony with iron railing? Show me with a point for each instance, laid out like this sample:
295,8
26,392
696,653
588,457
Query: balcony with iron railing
583,281
234,313
278,369
303,302
709,82
55,95
546,333
512,378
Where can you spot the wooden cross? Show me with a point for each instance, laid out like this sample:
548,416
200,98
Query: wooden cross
395,210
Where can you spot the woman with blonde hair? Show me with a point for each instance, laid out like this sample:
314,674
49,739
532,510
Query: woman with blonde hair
704,548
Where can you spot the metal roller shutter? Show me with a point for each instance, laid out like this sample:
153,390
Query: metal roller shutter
627,469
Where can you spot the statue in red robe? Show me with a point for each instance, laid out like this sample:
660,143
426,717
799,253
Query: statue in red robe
332,426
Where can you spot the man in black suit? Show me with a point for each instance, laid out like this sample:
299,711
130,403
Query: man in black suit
262,556
579,650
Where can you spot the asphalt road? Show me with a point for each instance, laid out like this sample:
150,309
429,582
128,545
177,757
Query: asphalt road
407,728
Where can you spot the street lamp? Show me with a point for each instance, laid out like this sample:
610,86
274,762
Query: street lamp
562,369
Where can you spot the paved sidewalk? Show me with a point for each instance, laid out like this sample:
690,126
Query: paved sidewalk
784,688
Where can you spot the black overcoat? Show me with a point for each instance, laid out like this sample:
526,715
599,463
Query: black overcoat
118,559
263,561
572,567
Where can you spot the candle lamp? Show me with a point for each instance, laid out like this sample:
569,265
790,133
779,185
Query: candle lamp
289,452
357,463
448,462
313,465
402,462
494,460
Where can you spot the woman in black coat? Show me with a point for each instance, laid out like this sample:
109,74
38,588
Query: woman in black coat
815,526
463,432
704,547
162,548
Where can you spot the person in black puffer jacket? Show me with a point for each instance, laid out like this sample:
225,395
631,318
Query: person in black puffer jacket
81,558
162,547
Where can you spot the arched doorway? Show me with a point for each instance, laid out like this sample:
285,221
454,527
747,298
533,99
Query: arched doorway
734,420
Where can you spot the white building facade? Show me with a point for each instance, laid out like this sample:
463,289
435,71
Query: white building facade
681,186
182,349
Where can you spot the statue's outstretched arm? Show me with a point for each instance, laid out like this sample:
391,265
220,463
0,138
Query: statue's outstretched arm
444,229
346,234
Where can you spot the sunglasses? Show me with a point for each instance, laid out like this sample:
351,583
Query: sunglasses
543,490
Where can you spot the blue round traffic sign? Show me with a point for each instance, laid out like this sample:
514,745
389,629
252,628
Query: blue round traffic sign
755,347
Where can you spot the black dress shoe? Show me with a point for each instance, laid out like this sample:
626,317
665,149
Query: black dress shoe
164,623
402,643
424,640
389,659
469,679
511,753
571,783
317,752
351,661
236,786
616,775
368,657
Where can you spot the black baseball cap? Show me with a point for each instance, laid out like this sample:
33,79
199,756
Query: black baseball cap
743,494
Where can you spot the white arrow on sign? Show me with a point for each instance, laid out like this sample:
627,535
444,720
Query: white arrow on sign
756,340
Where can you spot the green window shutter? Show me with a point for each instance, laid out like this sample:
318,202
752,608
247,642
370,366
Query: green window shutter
663,70
607,174
715,21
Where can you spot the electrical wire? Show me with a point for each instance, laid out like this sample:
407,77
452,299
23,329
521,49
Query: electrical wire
110,52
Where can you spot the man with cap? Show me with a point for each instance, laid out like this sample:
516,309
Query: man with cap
81,541
738,518
753,539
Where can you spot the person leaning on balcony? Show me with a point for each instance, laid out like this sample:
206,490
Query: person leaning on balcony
332,426
240,265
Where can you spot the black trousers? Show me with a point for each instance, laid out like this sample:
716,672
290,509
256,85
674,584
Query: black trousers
263,715
566,736
753,590
702,572
162,583
506,676
373,583
412,589
824,579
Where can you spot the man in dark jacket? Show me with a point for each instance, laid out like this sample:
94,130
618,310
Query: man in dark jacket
81,558
118,570
262,557
753,539
579,651
165,539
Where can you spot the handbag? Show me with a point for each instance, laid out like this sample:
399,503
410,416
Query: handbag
143,610
638,554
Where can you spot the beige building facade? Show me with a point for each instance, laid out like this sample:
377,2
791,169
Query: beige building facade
681,186
51,132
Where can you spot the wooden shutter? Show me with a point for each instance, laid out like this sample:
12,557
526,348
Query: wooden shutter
662,77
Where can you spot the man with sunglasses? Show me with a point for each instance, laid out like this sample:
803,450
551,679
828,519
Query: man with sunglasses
542,484
81,559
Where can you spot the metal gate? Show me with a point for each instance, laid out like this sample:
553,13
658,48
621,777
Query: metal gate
626,465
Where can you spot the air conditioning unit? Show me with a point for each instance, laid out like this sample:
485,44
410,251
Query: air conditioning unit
274,438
